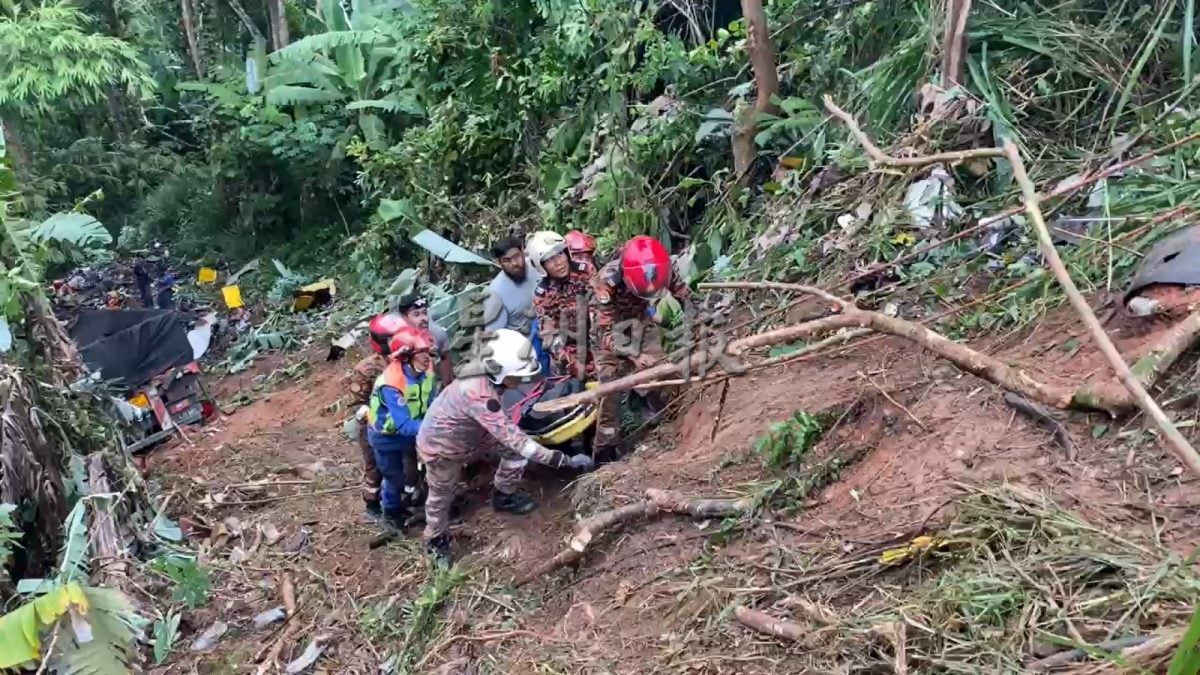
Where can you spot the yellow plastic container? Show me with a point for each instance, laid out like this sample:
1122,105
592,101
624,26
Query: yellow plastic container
233,297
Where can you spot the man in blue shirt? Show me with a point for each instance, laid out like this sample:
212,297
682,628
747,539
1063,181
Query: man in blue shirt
401,397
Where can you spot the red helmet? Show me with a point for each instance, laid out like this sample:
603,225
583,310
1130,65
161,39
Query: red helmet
382,328
408,341
645,266
580,242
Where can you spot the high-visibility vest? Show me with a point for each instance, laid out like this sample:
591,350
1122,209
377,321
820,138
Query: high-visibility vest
417,396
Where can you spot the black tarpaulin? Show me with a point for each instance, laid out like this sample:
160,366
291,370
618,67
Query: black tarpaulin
128,347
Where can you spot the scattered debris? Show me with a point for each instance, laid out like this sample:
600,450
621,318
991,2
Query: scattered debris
269,617
208,639
311,653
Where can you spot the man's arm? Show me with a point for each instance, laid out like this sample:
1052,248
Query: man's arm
494,313
445,369
398,409
491,416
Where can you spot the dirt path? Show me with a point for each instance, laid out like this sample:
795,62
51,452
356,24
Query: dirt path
655,597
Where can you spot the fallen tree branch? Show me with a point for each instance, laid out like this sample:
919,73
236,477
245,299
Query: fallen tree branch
1106,397
1180,338
1063,658
806,352
1175,440
880,157
655,503
765,623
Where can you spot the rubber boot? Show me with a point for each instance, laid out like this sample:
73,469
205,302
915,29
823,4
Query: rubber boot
439,550
514,503
397,518
374,510
607,455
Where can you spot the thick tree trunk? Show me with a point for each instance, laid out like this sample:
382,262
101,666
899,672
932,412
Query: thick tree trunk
279,27
766,81
189,31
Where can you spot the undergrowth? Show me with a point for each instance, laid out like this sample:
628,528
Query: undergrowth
1010,578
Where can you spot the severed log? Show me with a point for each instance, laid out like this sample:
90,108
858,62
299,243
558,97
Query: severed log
112,568
655,503
765,623
1176,443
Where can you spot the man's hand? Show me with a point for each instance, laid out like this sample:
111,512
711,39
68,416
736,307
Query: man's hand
643,361
581,462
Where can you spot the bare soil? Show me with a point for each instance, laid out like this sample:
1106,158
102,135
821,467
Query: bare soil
653,597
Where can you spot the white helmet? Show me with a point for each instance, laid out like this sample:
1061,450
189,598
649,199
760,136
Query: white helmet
509,354
542,246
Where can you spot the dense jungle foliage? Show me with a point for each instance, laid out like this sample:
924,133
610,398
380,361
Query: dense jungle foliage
325,132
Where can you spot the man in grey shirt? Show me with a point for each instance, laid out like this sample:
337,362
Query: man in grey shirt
509,302
415,311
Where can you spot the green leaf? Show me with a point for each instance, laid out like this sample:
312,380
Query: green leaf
306,47
293,95
397,104
77,229
166,630
396,209
1186,660
1099,430
1069,345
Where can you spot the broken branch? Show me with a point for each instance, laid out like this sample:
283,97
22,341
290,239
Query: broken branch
656,502
765,623
1175,440
1060,191
880,157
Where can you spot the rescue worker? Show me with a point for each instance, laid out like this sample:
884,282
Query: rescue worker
625,293
361,384
581,247
399,401
466,422
415,311
560,303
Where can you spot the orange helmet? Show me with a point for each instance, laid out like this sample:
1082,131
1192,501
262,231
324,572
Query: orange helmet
580,243
645,266
382,328
408,341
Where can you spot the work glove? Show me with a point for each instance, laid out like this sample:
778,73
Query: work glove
581,462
